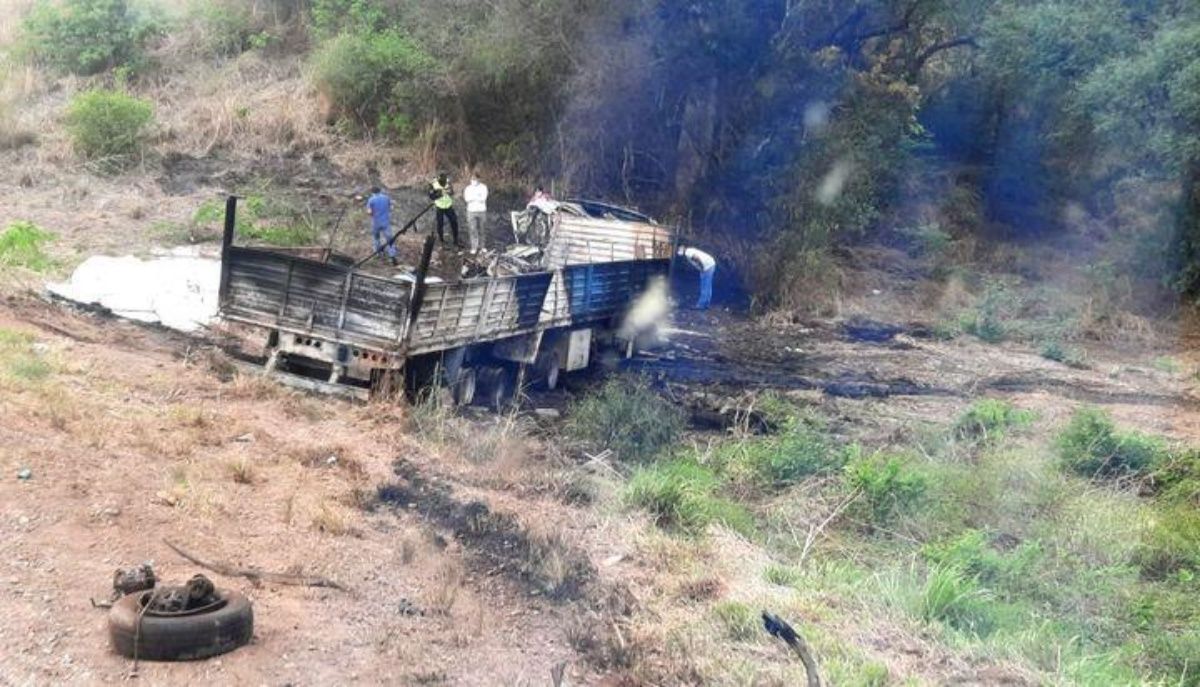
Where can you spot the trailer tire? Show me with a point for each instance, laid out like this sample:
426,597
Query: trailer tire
182,637
494,384
550,377
465,387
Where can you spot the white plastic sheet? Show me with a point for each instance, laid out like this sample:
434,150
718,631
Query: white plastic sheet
177,290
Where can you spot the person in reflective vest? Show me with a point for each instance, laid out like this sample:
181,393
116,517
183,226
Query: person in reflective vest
442,195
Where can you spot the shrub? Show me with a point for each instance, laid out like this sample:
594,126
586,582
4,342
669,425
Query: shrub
888,485
109,125
375,77
1091,446
628,418
1070,356
85,36
928,240
683,494
229,28
21,246
986,320
987,419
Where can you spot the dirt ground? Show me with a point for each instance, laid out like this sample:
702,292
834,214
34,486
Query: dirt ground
133,439
135,436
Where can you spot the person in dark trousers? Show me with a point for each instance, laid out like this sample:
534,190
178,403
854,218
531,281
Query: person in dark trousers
379,207
442,195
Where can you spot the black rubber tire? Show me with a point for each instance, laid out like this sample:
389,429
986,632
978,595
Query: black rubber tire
181,637
493,388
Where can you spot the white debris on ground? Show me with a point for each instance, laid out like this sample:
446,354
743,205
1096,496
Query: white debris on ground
177,289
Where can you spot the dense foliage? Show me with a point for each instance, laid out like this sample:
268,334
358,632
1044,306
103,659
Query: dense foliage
798,124
85,36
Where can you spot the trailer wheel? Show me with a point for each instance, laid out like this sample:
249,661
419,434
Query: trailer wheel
464,388
494,389
546,370
550,377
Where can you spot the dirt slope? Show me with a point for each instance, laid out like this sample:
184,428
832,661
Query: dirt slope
132,438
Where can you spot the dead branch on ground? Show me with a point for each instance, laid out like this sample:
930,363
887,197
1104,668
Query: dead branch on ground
255,575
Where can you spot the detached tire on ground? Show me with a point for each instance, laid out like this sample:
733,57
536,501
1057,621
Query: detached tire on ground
185,636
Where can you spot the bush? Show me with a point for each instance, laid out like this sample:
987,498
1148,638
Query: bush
109,125
230,27
627,418
987,419
21,246
85,36
1091,446
377,77
1067,355
683,494
987,320
888,485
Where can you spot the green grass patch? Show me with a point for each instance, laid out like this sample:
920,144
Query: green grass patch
261,218
22,244
740,622
1092,446
685,495
782,575
1171,544
628,418
989,418
1165,363
889,485
19,362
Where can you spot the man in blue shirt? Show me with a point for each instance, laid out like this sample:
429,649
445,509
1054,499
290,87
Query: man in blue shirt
379,206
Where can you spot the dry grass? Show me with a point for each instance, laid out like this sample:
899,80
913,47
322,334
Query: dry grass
330,518
241,471
445,587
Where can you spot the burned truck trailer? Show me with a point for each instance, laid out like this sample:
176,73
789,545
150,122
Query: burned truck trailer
327,321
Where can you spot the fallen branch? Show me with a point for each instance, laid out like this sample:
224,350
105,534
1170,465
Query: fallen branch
778,627
256,575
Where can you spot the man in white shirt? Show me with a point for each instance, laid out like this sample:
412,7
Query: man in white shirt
476,195
706,265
